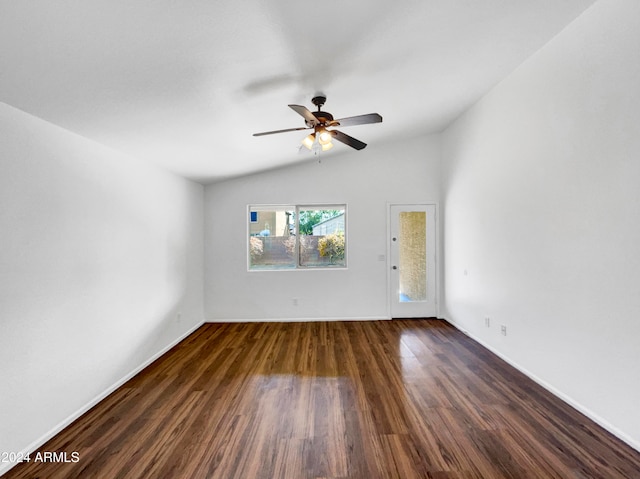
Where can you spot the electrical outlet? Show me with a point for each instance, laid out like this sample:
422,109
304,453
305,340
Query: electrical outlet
294,301
487,322
179,317
503,330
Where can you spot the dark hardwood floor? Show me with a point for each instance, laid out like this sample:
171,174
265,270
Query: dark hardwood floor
386,399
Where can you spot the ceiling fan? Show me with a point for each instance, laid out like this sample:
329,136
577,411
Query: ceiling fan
320,121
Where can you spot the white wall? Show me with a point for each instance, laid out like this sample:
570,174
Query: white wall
98,255
541,189
366,181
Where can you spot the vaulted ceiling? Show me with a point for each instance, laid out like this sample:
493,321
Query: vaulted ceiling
184,84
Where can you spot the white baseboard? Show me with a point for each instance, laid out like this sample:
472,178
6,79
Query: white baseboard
556,392
55,430
295,320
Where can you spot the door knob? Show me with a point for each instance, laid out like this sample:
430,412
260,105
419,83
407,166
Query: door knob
394,267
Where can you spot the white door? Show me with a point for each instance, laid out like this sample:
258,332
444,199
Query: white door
413,261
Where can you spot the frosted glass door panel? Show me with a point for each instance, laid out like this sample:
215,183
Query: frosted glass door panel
412,248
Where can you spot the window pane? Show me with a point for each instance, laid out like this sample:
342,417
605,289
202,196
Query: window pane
272,244
322,237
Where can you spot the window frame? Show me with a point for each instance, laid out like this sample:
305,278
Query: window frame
296,208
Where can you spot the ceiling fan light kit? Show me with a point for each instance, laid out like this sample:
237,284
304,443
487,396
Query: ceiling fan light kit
320,121
309,141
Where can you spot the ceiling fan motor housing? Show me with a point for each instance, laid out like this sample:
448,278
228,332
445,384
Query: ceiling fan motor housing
323,116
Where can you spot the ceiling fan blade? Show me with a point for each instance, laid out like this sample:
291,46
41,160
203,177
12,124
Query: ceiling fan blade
280,131
304,111
359,120
348,140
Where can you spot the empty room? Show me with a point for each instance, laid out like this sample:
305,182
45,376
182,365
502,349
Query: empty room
320,240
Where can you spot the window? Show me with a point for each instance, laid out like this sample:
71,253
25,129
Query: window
294,237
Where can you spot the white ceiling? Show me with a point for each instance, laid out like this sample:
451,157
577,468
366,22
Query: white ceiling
184,84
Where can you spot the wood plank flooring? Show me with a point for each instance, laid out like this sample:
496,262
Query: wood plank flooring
382,399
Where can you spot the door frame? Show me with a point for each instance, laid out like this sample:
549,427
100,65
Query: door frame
436,253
